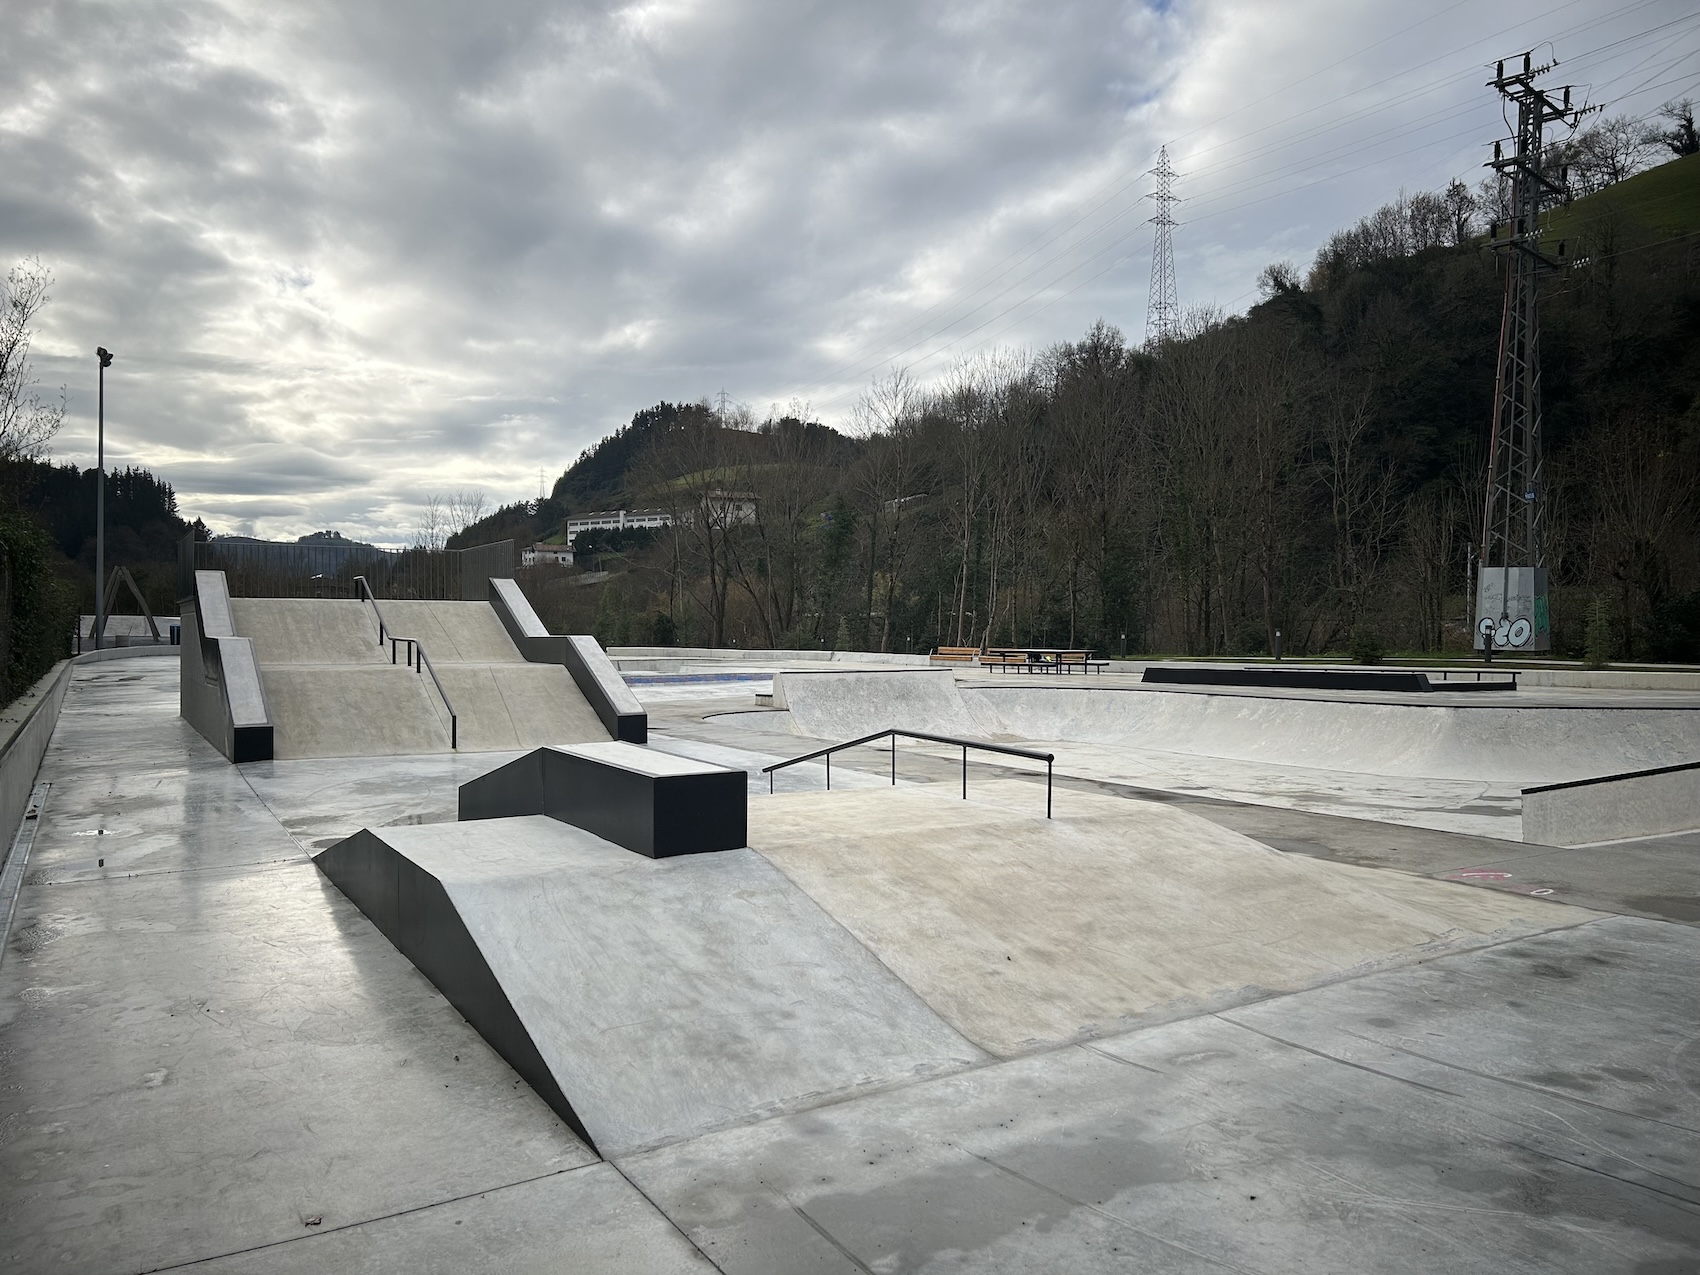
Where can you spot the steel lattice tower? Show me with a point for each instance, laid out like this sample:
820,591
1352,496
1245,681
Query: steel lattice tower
1514,507
1163,310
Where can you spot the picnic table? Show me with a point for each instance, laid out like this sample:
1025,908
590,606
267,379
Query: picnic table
1041,659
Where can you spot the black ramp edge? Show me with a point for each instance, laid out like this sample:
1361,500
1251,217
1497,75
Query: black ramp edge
601,684
589,666
1301,679
652,803
513,789
411,909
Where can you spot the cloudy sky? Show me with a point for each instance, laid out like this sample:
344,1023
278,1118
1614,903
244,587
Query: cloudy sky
349,255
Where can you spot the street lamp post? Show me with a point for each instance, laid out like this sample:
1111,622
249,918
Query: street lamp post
105,357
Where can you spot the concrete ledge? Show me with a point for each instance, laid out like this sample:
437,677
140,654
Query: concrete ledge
26,726
595,676
1641,803
652,803
221,694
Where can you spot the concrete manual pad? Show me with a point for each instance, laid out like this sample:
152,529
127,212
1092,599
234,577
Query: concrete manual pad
1207,1146
671,997
1023,932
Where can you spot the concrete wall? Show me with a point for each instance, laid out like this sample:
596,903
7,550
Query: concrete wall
1616,807
28,724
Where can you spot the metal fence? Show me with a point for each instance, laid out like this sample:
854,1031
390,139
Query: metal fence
262,569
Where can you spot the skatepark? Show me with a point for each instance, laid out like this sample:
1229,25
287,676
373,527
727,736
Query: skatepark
328,956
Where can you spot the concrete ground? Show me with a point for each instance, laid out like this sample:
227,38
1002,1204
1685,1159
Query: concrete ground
210,1060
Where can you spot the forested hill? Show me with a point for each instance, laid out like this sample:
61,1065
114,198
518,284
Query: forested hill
1315,466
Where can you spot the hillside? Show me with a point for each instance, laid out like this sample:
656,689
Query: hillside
1661,203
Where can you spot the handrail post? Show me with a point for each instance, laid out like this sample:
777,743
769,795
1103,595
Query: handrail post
894,759
829,772
965,772
1047,789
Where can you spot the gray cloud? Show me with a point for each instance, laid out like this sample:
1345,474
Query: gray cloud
352,254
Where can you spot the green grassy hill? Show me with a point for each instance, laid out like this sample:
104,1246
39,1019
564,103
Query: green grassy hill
1661,203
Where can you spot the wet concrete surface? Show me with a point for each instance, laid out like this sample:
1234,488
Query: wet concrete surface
210,1060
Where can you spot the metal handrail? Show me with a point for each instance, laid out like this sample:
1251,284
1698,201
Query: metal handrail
414,648
964,744
362,586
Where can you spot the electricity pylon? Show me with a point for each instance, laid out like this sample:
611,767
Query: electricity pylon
1512,588
1163,310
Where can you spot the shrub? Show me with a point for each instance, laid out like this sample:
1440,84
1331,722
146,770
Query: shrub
1366,645
1596,639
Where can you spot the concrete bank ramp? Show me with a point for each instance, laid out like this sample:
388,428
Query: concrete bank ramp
1503,742
844,705
1022,932
647,1000
333,691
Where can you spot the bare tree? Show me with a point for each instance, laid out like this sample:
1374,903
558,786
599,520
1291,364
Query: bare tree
27,421
1461,208
1680,137
1360,496
433,524
1607,152
464,508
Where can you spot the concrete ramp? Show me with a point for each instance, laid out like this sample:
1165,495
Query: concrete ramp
454,632
844,705
1024,932
511,705
308,631
1502,742
647,1000
1496,743
334,691
322,710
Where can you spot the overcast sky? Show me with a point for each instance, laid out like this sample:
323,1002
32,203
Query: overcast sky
348,255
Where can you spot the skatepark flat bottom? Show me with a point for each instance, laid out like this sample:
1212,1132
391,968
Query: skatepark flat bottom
212,1061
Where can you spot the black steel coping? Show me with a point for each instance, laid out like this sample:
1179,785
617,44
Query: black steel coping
1314,679
1611,779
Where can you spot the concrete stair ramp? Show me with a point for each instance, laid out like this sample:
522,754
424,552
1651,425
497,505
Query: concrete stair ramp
333,691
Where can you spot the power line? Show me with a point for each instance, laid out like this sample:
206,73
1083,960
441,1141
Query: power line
1163,309
1000,271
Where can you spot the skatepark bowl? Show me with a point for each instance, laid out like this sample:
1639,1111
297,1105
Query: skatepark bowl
1294,978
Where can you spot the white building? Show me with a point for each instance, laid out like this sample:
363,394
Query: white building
732,508
555,555
617,520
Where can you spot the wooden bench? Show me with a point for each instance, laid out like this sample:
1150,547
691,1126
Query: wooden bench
1003,659
1081,660
955,654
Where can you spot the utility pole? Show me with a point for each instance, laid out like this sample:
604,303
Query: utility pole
1511,587
105,358
1163,310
